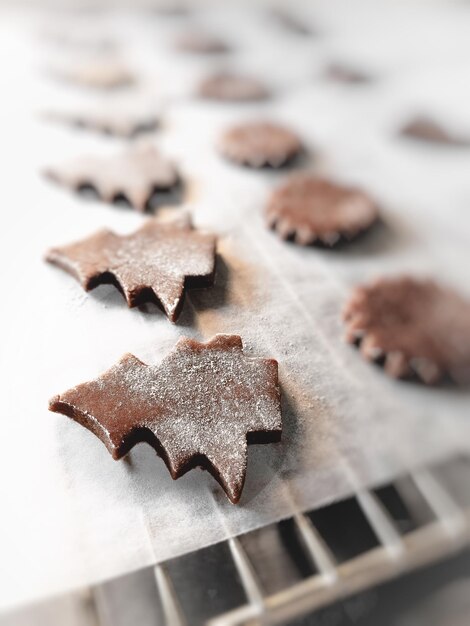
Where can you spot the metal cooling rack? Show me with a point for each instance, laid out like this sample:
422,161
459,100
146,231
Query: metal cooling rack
278,573
394,528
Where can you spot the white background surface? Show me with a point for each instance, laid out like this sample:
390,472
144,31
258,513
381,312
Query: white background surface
70,514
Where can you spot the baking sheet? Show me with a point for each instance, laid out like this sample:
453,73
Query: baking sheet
72,516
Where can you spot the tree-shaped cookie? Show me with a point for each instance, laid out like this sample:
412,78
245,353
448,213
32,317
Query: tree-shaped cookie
135,175
154,263
200,407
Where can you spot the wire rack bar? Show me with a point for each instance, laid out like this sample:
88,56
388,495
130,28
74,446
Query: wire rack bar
170,604
380,521
317,550
247,574
441,502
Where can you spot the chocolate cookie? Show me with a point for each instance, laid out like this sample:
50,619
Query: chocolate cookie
135,175
313,210
260,144
415,327
199,407
198,42
100,74
171,9
232,88
292,23
154,263
430,131
343,73
118,124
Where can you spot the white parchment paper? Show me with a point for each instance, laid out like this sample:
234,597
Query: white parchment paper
72,516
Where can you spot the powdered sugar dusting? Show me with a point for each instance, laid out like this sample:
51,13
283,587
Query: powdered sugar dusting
315,208
134,174
159,256
260,143
415,326
202,400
